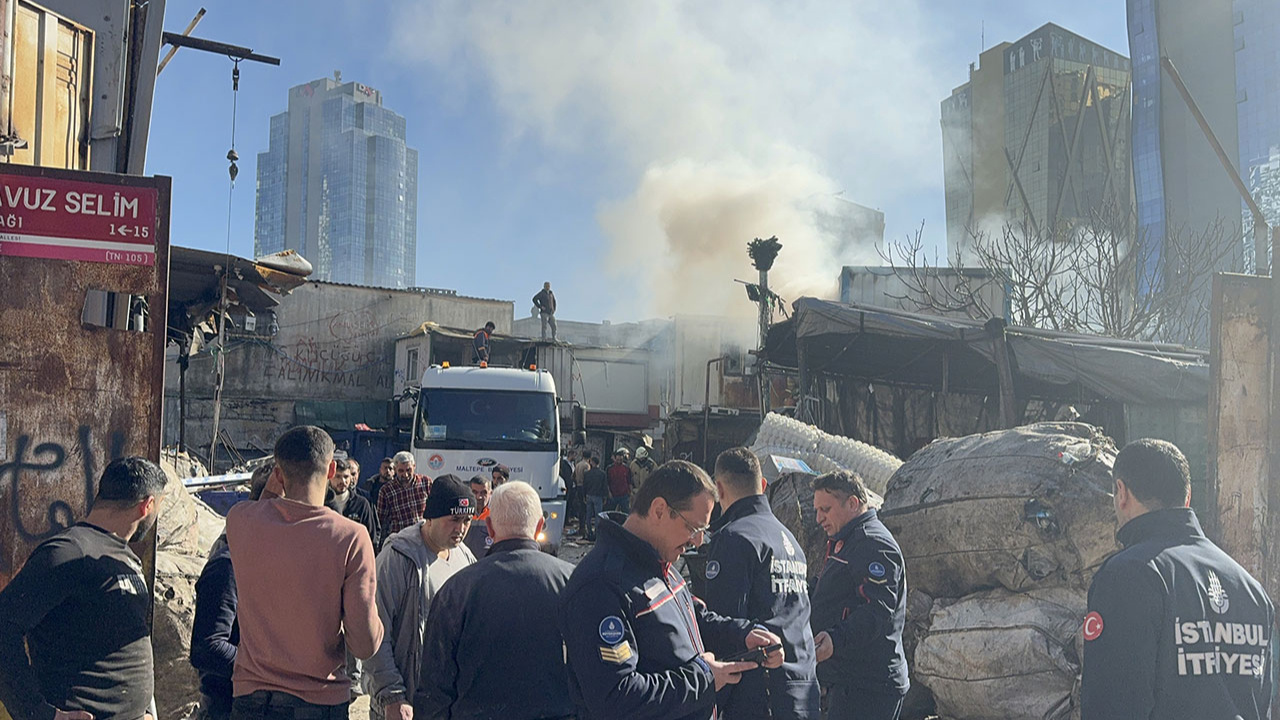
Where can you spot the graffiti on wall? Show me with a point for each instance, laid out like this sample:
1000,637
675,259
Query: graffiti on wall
32,465
352,349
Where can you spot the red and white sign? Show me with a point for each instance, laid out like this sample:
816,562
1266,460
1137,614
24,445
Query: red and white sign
44,217
1092,626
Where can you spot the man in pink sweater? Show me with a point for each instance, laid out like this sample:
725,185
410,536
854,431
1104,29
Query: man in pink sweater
305,578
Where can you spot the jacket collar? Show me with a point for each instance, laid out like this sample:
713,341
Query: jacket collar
612,534
1167,523
514,544
854,524
745,507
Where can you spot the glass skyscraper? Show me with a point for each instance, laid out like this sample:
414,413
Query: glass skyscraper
1256,38
1180,185
1038,137
339,185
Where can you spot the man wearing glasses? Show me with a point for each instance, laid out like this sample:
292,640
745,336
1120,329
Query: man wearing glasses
633,634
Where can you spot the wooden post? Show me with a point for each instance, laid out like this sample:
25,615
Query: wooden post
1270,491
1004,370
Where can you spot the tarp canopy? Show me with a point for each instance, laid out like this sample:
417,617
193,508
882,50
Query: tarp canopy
896,347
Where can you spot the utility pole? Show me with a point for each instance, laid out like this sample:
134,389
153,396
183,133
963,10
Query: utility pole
762,254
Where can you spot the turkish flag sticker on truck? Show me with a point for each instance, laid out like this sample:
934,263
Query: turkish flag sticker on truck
1092,626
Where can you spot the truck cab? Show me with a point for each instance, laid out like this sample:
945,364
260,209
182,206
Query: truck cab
469,419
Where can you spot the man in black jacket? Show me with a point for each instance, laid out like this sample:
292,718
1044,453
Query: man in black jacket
215,634
1176,628
545,303
632,631
492,657
75,622
755,569
859,605
342,498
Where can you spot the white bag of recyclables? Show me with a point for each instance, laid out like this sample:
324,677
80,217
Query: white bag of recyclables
999,655
1021,508
788,437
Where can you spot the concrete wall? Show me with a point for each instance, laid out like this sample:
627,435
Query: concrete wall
335,343
697,340
884,287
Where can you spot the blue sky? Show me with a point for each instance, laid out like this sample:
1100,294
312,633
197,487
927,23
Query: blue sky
625,151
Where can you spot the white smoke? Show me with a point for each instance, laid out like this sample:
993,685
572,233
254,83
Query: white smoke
737,120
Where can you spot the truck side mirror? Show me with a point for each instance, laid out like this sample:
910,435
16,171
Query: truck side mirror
579,418
580,438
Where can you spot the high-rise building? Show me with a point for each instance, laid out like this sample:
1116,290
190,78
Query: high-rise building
1039,135
339,185
1257,45
1180,185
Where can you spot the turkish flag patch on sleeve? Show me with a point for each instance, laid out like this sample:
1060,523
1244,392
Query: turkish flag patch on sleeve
1092,626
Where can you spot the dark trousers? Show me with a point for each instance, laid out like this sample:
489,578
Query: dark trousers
212,708
268,705
850,703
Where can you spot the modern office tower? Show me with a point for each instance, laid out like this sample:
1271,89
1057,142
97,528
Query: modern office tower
1181,187
1038,137
339,185
1257,47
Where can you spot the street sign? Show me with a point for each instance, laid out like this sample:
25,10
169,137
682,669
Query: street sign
61,219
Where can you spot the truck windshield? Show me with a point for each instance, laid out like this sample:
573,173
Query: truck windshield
486,420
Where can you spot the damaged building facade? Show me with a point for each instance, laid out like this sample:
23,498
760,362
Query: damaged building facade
324,355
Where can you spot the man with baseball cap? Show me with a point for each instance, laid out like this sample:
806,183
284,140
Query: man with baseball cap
413,564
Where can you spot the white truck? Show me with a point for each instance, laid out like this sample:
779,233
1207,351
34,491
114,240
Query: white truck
469,419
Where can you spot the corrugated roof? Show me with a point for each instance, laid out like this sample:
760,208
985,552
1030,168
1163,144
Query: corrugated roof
439,292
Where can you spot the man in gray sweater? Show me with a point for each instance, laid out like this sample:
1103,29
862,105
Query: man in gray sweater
412,566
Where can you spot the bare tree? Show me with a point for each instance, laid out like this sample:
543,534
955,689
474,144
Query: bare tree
1089,277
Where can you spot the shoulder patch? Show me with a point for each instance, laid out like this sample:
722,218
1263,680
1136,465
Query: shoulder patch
876,570
616,655
713,569
1092,627
611,631
786,544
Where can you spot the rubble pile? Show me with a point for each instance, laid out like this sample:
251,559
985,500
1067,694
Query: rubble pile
1001,533
185,530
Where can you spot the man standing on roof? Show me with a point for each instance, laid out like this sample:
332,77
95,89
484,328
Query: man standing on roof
480,343
545,302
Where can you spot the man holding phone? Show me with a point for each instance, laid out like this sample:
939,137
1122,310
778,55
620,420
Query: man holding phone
755,569
633,633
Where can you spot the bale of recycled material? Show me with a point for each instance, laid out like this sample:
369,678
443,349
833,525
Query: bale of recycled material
1021,508
999,655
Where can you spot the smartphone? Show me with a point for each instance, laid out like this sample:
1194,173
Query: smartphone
756,656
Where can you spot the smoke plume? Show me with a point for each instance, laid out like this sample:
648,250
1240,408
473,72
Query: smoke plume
737,119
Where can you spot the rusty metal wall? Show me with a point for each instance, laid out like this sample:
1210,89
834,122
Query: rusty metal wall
72,396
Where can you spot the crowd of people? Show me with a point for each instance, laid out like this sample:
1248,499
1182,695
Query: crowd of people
297,609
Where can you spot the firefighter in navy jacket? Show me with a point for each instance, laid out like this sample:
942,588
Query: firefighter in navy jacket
756,569
1175,628
633,632
859,604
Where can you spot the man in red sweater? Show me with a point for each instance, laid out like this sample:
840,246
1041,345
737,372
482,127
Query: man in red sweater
308,600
